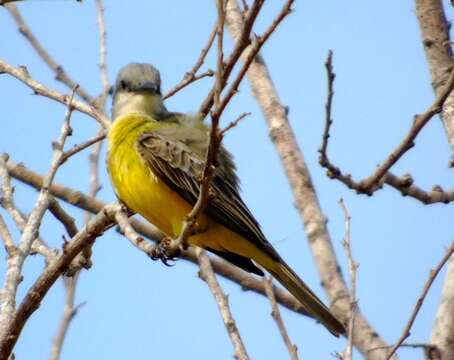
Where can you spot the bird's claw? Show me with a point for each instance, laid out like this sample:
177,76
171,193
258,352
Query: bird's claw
165,252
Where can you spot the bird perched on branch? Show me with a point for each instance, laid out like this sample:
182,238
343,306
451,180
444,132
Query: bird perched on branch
155,161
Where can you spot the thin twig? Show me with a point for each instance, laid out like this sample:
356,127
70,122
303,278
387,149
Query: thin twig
276,314
23,75
7,238
432,275
83,259
61,215
234,123
101,99
191,75
405,185
431,351
121,217
187,80
31,229
7,202
257,44
95,228
373,182
82,146
60,73
352,268
206,273
241,44
6,199
69,311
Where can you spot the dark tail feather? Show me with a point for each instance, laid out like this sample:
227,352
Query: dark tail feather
306,297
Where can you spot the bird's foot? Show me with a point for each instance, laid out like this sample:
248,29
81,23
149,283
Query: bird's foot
165,251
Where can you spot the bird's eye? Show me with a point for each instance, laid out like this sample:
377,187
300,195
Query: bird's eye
158,90
123,85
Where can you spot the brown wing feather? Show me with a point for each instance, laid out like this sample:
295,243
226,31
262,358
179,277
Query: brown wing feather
180,168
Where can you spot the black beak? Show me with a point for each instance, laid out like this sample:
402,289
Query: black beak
149,87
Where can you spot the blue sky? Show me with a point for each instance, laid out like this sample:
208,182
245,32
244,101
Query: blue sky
135,308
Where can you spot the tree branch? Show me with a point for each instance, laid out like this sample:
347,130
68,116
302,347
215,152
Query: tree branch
352,268
60,73
276,314
52,272
69,311
22,75
437,46
206,274
31,229
191,75
432,275
382,175
305,197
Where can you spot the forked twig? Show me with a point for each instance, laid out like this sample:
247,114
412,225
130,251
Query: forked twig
381,175
432,275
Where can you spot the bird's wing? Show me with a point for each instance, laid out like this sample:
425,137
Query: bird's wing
181,169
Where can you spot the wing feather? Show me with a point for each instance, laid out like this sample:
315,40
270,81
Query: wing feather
181,169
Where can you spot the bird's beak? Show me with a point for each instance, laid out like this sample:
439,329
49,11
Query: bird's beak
150,87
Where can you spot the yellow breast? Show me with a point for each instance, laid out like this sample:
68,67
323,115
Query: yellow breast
134,182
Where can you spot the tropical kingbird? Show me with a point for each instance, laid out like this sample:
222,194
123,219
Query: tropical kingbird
155,162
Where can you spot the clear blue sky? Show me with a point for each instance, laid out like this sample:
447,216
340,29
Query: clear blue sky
138,309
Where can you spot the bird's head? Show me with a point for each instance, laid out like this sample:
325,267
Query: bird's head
138,90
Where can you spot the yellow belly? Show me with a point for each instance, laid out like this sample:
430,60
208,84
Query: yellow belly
146,194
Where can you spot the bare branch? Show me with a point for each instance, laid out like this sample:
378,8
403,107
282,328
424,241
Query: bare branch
187,80
252,52
7,238
206,273
121,217
432,275
405,186
431,351
31,301
241,43
69,311
78,148
102,55
234,123
29,233
305,197
373,182
191,75
22,75
7,201
437,46
276,314
352,267
61,215
60,73
443,328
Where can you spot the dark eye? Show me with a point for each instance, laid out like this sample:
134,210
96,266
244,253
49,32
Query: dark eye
158,91
123,85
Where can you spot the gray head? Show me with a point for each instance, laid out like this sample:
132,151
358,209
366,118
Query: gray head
138,89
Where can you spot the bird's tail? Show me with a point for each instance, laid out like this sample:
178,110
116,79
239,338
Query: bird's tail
310,302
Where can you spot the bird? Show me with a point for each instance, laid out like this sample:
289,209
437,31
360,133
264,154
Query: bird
155,161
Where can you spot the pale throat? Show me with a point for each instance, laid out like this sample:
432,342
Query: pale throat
142,103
